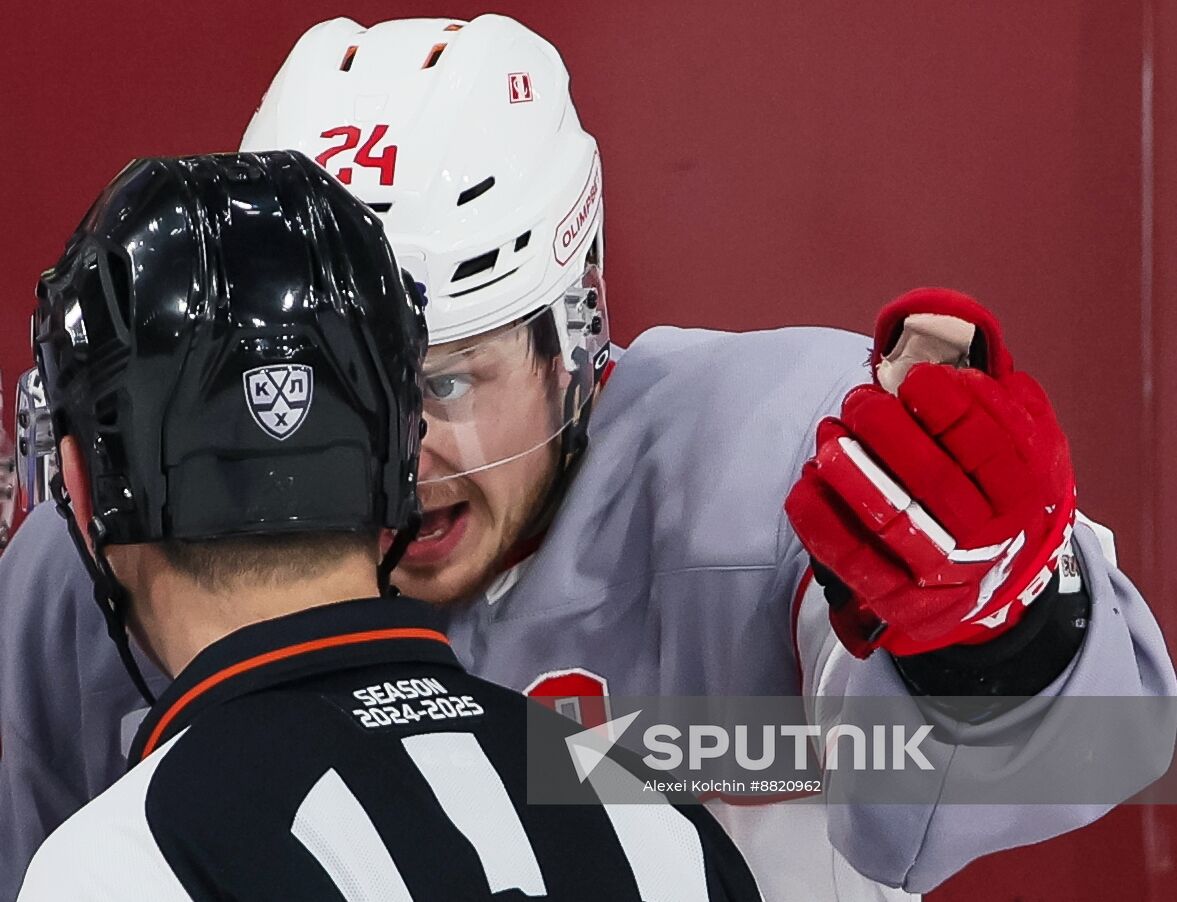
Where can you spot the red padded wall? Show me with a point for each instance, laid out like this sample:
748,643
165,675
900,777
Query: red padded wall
765,163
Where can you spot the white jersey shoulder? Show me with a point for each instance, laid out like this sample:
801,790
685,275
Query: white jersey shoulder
106,852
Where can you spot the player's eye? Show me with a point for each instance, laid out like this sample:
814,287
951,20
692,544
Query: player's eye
448,387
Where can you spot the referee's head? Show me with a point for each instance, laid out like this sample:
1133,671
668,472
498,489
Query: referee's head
233,365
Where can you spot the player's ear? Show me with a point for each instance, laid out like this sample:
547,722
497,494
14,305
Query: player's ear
77,483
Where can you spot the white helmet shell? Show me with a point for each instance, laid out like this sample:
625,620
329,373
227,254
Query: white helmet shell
464,140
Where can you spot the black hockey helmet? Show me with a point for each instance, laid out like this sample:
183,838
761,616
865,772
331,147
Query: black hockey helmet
231,343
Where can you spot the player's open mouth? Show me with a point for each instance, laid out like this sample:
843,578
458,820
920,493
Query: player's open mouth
441,531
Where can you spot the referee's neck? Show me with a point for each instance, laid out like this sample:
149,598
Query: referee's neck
174,618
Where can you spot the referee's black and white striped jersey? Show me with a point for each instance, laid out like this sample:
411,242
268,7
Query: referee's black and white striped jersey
343,754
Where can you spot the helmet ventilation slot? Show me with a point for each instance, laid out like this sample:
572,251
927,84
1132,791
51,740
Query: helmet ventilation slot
349,56
118,284
476,191
475,265
522,241
458,294
434,56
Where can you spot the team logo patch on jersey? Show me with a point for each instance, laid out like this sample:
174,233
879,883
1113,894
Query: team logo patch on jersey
279,397
576,693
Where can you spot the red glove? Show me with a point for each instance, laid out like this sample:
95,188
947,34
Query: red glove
943,510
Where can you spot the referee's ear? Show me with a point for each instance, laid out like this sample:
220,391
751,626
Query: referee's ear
77,483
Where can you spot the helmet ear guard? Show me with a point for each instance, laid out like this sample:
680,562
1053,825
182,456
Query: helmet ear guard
581,322
583,325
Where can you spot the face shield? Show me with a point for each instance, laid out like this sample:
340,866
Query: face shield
504,394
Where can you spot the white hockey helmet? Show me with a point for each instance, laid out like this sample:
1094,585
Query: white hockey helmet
463,138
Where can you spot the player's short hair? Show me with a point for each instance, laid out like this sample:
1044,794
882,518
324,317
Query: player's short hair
224,564
544,338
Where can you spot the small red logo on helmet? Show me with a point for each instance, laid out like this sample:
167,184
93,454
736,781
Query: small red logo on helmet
519,87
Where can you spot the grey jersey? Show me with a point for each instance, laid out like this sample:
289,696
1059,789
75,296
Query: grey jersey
670,565
670,568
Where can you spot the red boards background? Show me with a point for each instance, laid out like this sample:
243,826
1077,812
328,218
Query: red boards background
765,163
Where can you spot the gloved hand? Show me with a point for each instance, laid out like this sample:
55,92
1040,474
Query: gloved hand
943,508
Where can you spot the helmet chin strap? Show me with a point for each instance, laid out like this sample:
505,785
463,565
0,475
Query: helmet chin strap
396,550
109,593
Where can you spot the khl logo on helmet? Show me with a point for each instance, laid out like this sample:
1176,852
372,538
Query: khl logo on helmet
279,397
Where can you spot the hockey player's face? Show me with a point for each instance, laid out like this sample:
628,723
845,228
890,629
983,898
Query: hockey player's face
486,462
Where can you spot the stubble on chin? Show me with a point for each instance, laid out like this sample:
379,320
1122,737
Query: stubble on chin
467,574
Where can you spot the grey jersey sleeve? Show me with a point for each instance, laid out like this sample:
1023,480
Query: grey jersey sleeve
918,846
64,695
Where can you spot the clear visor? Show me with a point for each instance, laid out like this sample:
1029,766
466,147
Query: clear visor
505,394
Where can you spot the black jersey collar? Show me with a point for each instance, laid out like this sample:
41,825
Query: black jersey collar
317,640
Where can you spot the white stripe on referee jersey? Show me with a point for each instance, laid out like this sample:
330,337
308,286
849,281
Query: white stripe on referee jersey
336,829
661,843
471,793
107,850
